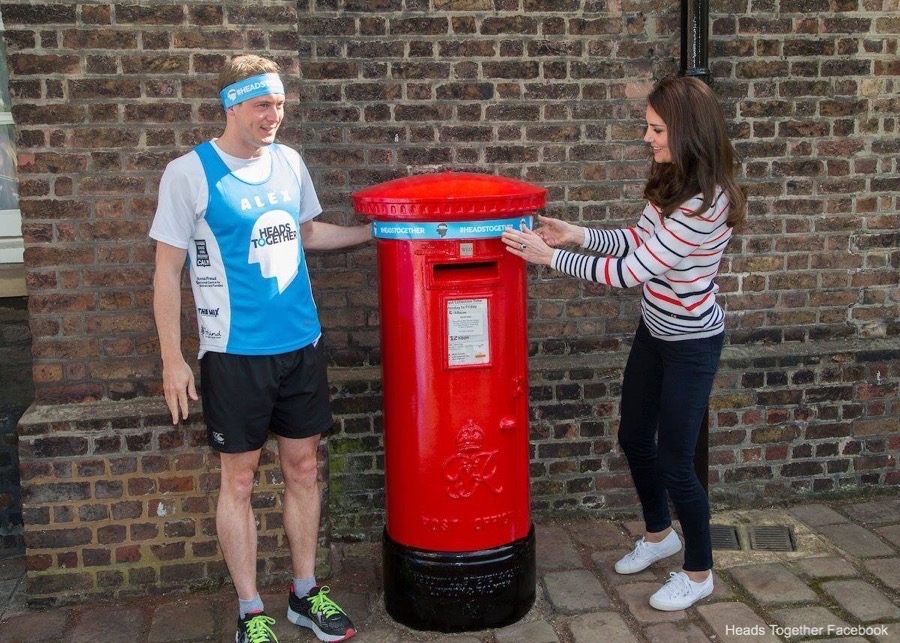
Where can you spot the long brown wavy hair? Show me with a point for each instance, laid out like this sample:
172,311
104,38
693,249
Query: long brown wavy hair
702,154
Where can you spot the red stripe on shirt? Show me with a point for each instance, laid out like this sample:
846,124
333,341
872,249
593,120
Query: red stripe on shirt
677,302
658,259
687,243
690,281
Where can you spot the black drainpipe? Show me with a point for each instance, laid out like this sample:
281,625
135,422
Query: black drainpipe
695,39
695,63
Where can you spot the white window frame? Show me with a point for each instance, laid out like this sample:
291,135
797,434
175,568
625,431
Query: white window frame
12,246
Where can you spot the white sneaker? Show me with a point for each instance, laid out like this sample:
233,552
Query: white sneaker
680,592
645,554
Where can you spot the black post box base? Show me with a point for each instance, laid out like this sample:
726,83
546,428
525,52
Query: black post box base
459,591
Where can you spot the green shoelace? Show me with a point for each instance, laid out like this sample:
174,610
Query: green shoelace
321,604
259,629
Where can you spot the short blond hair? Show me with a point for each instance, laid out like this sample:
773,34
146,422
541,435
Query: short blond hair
245,66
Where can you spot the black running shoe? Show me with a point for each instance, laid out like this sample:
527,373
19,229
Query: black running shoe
320,614
256,627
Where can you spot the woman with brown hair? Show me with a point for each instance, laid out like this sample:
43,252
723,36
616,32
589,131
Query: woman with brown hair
673,252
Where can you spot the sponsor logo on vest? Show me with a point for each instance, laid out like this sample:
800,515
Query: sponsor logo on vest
209,282
275,246
271,235
208,334
202,253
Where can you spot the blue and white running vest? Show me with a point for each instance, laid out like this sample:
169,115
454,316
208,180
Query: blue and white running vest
248,270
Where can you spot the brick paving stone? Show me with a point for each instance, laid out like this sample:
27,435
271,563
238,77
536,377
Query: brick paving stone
771,583
16,604
555,550
825,567
361,571
812,616
877,513
684,632
891,533
456,638
887,570
673,563
575,591
363,636
817,515
861,600
532,632
600,627
12,567
7,588
856,541
181,622
727,619
358,606
105,624
721,589
634,527
35,627
601,535
637,596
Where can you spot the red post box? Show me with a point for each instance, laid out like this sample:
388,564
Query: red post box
458,540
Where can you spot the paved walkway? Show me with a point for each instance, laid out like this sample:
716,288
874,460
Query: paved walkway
842,583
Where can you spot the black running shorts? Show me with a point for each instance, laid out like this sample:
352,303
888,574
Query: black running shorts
246,396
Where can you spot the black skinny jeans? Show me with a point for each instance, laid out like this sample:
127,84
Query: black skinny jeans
665,392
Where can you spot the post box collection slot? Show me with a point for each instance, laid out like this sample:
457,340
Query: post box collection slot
465,271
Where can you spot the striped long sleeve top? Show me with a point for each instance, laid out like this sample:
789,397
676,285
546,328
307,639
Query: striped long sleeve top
675,258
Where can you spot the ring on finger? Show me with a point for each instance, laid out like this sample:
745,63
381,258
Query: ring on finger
524,246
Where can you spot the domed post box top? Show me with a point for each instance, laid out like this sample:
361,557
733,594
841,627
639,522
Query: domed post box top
448,196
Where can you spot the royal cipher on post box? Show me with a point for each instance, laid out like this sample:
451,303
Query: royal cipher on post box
458,539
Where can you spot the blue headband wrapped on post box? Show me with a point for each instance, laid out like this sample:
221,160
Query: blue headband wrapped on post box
251,87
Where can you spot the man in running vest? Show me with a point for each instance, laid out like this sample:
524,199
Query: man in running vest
241,209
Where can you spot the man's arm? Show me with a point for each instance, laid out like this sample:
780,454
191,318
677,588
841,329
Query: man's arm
178,379
317,235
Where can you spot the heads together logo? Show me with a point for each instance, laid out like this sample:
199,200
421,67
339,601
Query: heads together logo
275,247
260,85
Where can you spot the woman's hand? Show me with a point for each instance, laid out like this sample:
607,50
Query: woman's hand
556,233
528,245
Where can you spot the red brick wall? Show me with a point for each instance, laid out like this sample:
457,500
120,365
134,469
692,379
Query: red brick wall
117,501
